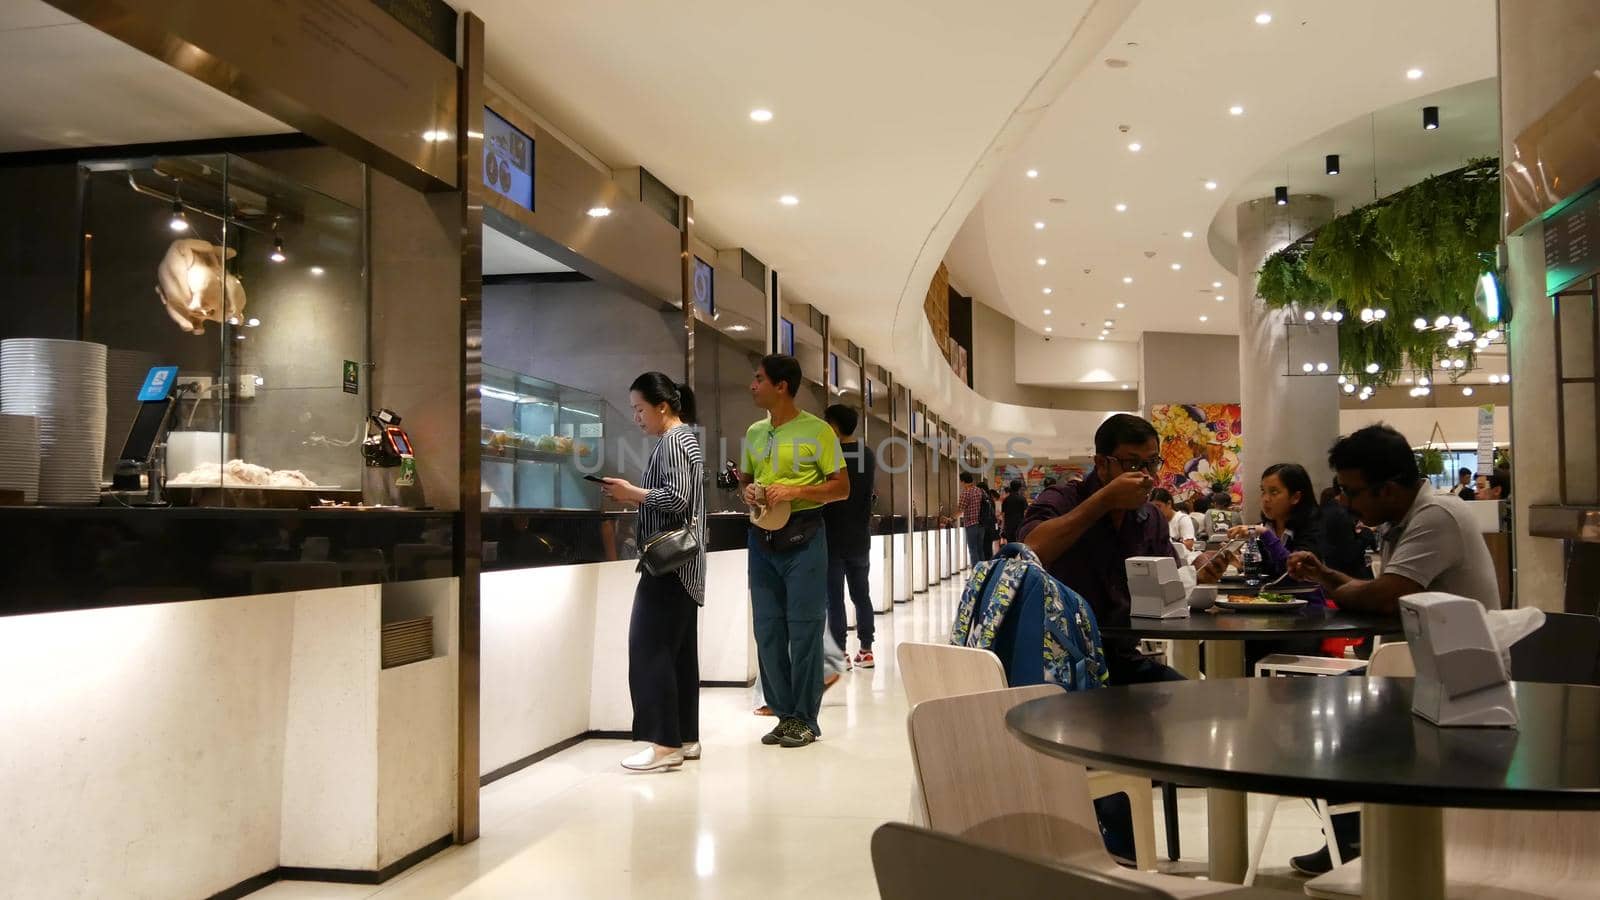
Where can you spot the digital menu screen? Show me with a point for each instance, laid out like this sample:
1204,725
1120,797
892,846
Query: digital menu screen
704,287
507,160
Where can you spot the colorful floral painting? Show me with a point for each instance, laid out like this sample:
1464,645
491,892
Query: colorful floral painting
1200,444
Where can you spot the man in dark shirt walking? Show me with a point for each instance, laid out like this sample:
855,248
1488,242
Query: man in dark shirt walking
1012,510
1085,531
849,543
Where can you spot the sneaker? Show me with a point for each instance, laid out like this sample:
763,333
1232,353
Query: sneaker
763,710
772,737
691,750
798,735
864,659
829,681
646,760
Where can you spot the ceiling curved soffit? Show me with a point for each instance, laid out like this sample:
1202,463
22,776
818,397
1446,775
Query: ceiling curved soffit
1170,77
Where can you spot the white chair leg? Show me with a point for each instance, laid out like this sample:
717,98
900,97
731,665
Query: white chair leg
1260,845
1326,816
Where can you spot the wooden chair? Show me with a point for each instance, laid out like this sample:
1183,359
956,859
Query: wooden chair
918,864
935,671
980,783
1392,659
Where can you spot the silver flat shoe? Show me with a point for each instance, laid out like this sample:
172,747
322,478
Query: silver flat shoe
691,750
647,761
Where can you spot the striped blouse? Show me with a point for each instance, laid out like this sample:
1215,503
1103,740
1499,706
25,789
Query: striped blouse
674,479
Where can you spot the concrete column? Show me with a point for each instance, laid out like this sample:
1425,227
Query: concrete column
1287,418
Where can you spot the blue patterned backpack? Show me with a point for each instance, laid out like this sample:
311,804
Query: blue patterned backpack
1043,632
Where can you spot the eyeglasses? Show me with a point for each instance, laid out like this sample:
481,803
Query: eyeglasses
1151,465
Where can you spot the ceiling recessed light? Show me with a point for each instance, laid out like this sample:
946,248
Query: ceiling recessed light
1122,207
600,212
1110,323
1127,279
1101,338
1032,173
1236,110
1264,18
789,200
1135,147
1177,267
1413,74
1216,284
1430,118
1187,235
738,328
253,322
1122,306
1125,387
1221,298
1049,290
1048,329
1038,226
1047,312
1104,332
1466,392
1204,318
317,270
1211,185
1042,261
761,115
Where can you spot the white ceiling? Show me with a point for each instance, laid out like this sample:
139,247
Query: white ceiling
70,85
881,110
1320,67
504,255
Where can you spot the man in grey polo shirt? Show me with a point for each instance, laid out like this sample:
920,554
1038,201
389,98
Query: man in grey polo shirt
1431,542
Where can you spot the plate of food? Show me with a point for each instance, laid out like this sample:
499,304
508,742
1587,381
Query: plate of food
1266,601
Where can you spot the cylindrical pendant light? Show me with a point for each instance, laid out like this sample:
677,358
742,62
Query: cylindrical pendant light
1281,194
1333,164
1430,118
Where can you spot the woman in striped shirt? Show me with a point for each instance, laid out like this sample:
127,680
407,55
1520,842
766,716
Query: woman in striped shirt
663,656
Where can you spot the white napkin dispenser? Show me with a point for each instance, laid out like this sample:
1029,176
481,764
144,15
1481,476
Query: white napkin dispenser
1155,588
1461,678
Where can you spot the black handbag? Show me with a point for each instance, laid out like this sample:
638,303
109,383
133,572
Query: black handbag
670,551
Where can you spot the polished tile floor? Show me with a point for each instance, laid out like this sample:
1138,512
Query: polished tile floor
746,821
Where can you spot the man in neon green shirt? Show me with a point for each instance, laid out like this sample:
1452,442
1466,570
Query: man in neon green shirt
795,457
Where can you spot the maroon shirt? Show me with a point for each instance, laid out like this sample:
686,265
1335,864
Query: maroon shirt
1093,567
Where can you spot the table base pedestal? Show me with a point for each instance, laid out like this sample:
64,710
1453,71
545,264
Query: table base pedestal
1227,812
1402,852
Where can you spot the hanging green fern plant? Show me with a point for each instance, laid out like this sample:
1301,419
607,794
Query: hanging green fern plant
1415,254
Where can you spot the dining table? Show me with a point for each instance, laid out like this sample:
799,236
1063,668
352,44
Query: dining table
1225,633
1352,738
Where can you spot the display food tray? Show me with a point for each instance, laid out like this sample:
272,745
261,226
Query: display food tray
252,497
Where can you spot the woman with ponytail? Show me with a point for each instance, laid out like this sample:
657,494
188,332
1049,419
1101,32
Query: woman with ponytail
663,655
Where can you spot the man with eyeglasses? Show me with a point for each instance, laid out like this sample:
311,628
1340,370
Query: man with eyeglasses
1085,531
1431,542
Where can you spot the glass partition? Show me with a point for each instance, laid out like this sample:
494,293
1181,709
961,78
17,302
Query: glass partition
539,439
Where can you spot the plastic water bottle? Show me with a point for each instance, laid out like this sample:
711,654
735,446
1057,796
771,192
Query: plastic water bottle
1250,559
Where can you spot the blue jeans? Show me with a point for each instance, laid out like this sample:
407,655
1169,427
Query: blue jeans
789,599
976,544
854,570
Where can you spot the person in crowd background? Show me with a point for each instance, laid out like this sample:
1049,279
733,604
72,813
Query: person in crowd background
1222,514
990,517
1341,540
1463,487
1496,486
793,457
1012,509
972,499
1291,520
663,649
849,543
1200,512
1180,528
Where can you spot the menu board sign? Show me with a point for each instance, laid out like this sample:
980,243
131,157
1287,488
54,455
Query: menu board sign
1486,438
1572,243
704,282
507,160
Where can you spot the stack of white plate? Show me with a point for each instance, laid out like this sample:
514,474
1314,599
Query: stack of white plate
125,374
19,456
63,383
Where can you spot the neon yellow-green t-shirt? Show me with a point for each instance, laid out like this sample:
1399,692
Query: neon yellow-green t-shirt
803,452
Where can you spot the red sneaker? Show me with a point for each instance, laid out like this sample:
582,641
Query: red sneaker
864,659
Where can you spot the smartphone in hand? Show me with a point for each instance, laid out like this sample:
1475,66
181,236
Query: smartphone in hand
594,478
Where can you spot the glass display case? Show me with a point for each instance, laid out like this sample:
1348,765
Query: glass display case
539,440
253,284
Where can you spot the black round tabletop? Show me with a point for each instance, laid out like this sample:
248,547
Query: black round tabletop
1350,739
1242,626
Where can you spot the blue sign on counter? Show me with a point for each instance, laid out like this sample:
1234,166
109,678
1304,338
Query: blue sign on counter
158,383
